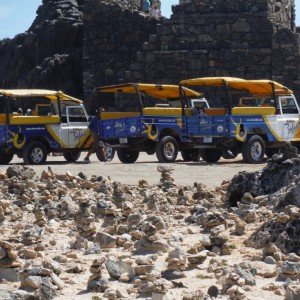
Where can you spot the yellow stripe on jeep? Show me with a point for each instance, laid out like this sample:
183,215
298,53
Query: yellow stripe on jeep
34,120
278,137
55,137
85,140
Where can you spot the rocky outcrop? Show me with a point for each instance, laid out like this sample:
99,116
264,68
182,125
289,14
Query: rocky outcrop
277,188
49,54
276,175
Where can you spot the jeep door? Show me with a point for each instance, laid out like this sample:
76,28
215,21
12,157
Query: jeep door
74,126
288,119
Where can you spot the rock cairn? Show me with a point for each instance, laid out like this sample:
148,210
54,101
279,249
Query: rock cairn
84,219
10,264
95,281
40,217
177,260
166,180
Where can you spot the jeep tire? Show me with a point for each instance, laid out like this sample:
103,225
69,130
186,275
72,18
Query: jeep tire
126,156
166,149
35,153
72,156
253,150
191,154
109,154
6,158
211,155
229,154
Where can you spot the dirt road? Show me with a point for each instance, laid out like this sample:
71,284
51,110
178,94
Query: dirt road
185,173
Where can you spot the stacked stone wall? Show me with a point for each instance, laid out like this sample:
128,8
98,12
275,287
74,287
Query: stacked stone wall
113,35
250,39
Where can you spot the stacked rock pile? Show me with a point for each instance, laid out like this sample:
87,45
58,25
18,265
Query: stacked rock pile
161,242
10,264
167,181
84,219
95,282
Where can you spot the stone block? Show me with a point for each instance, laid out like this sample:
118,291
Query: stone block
10,274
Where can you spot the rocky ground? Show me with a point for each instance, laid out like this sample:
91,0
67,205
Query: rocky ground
66,236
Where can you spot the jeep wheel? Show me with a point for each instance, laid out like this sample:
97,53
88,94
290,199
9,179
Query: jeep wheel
229,154
72,156
166,149
6,158
126,156
191,154
211,155
35,153
109,154
253,150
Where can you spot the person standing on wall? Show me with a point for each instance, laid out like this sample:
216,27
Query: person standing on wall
146,6
156,12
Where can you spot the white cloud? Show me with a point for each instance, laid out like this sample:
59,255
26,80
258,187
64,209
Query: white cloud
6,11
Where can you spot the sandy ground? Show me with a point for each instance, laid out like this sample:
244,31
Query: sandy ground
185,173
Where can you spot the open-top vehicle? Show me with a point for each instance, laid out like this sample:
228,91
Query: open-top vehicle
34,123
231,126
135,120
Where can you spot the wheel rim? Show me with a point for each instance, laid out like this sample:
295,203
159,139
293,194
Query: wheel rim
108,153
169,150
37,155
256,150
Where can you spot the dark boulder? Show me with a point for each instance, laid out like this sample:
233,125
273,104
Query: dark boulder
277,174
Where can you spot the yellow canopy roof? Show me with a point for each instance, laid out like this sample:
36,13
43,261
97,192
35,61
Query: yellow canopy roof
249,86
212,81
52,95
160,91
279,88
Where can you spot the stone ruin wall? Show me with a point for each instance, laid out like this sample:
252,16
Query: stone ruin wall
251,39
113,35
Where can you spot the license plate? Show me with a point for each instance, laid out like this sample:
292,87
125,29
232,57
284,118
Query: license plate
207,139
123,140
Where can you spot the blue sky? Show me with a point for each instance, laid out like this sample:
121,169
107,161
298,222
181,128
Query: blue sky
16,16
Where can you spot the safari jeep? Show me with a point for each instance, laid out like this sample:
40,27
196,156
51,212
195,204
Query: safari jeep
252,117
34,123
138,118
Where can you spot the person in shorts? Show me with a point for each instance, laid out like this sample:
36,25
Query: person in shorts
93,126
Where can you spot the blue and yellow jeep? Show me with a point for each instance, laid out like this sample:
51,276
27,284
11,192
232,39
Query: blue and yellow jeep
252,117
138,118
34,123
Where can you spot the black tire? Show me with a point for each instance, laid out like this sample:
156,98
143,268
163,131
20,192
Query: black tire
229,154
6,158
109,154
72,156
253,150
166,149
191,154
211,155
35,153
127,156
